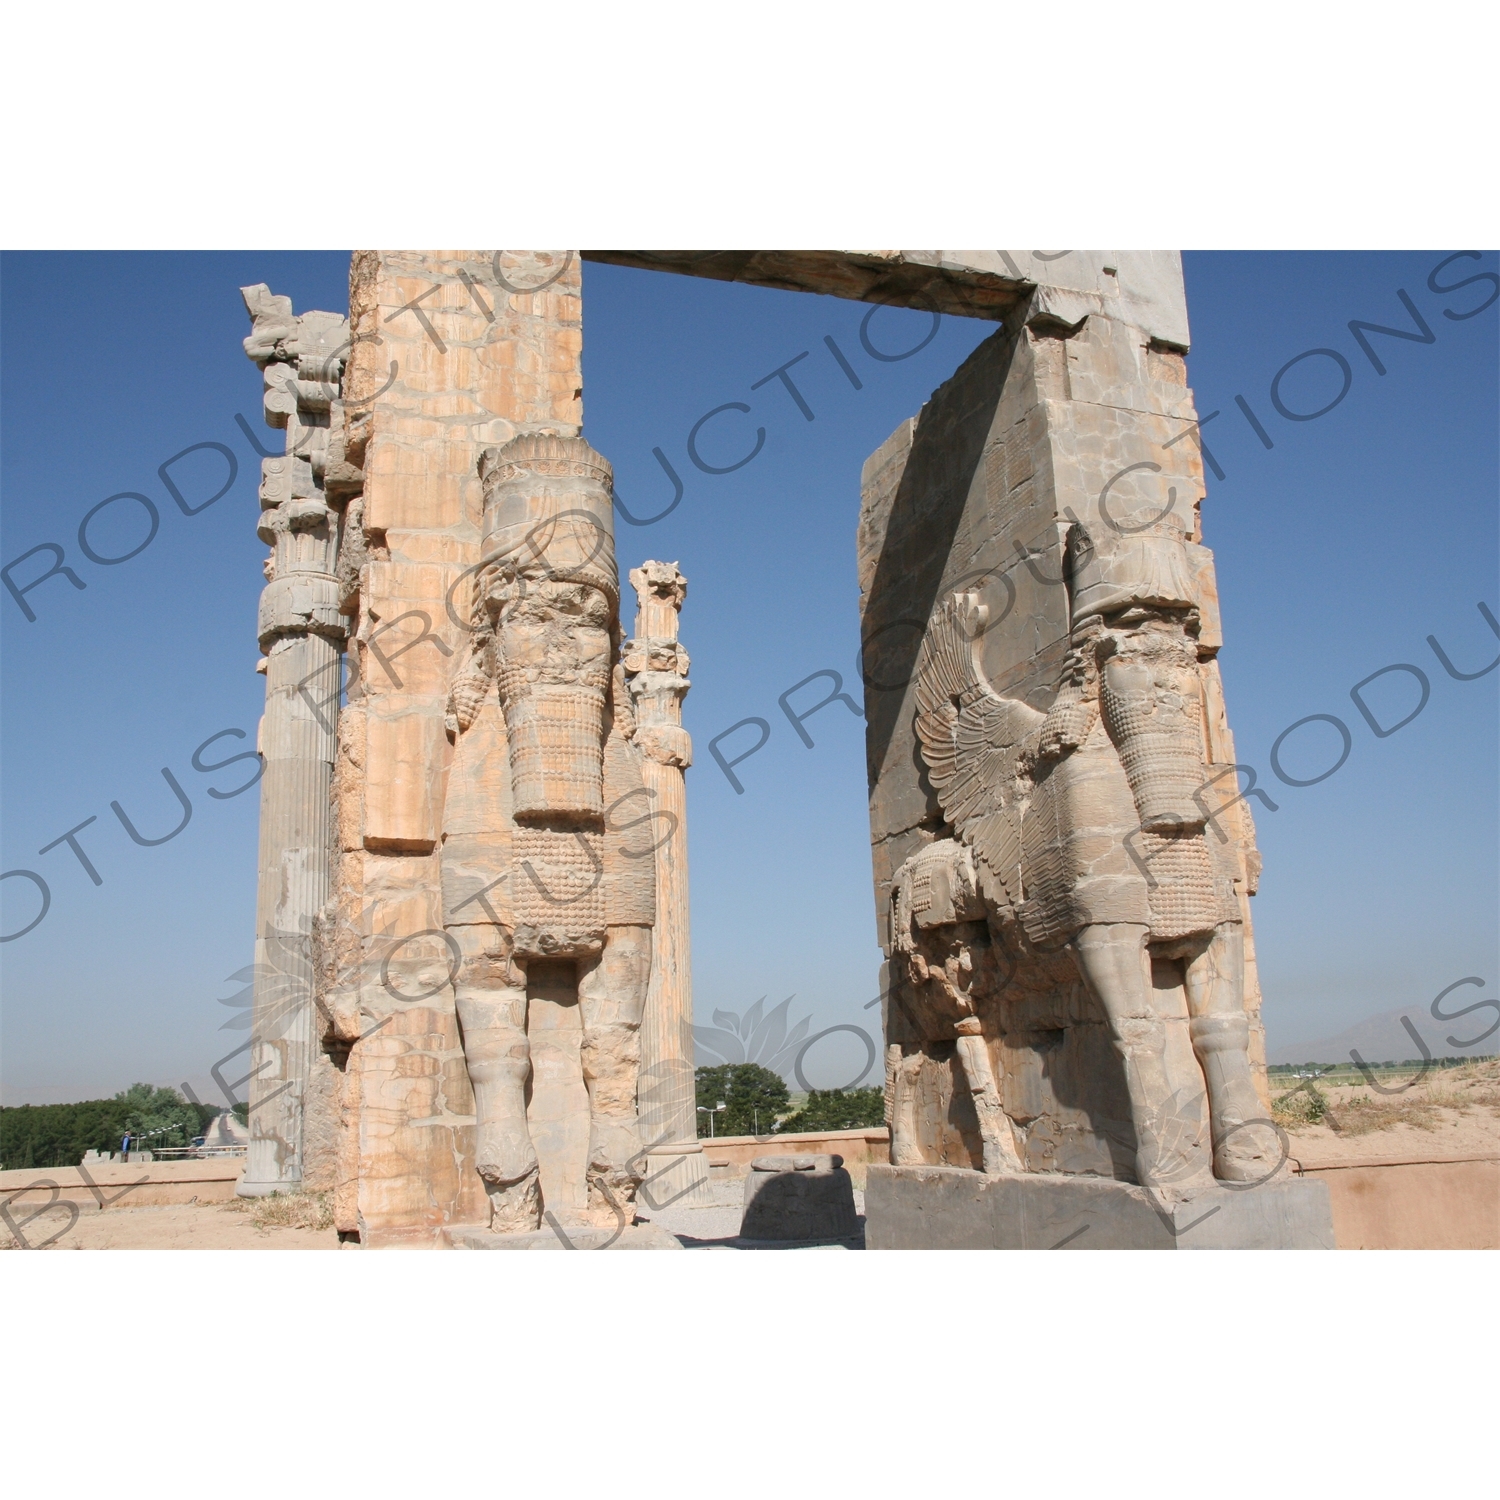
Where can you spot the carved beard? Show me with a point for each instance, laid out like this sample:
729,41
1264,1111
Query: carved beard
554,648
1152,700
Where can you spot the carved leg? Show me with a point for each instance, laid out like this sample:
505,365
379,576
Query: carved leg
1114,963
902,1072
612,994
1215,980
499,1059
1000,1155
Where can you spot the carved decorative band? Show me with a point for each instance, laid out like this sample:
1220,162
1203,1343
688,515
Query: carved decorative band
551,467
544,453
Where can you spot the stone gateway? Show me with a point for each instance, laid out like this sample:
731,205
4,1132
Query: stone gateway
473,991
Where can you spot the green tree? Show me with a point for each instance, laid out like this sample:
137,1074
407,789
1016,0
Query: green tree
160,1117
838,1109
57,1135
753,1097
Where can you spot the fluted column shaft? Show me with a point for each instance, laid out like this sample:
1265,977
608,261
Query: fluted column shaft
657,664
666,1031
301,633
296,836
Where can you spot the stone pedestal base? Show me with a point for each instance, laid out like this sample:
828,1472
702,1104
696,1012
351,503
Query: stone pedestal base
948,1208
262,1187
635,1237
676,1176
799,1198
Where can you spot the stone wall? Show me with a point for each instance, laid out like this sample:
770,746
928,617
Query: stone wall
115,1184
1443,1202
729,1156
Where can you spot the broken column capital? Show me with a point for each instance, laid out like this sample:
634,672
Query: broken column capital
659,583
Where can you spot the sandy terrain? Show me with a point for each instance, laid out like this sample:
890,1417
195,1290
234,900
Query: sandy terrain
1454,1112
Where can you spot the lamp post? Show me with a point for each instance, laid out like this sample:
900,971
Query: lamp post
703,1109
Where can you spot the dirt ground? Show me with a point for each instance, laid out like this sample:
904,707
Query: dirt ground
219,1226
174,1226
1450,1112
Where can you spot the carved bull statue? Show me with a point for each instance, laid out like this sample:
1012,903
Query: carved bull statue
1079,841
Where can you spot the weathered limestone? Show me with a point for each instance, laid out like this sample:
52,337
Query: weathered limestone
445,362
631,1237
656,669
301,633
1062,864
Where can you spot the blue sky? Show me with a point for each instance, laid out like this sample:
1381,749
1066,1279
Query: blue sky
1340,550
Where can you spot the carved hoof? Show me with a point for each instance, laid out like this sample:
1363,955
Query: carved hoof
504,1155
1000,1164
615,1149
1170,1165
611,1193
1252,1152
516,1208
616,1168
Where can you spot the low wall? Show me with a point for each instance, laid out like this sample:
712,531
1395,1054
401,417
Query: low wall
1438,1202
1441,1202
730,1155
103,1184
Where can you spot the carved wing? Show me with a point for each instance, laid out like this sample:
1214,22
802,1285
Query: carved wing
970,736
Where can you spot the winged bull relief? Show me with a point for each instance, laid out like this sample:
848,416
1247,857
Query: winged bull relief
1075,889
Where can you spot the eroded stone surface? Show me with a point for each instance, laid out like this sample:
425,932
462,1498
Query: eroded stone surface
484,961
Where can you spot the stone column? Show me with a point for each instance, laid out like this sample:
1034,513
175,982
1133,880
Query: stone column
301,633
657,667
